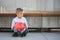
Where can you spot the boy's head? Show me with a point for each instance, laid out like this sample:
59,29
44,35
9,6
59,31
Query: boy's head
19,12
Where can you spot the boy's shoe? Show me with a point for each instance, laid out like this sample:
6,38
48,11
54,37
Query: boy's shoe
21,34
24,33
15,34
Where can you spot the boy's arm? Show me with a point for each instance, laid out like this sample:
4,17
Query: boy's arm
12,25
26,23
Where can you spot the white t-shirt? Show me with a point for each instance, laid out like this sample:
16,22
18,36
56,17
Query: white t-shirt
16,19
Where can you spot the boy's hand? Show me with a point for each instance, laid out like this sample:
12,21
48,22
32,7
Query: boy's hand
25,24
12,28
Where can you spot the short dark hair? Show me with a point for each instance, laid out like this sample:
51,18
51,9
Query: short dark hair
19,9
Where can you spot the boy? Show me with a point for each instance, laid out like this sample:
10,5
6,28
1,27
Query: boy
19,24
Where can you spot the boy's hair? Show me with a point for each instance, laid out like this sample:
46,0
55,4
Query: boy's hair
19,9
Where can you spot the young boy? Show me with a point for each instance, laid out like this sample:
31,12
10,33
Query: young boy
19,24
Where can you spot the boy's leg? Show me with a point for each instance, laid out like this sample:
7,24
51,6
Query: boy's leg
24,33
15,33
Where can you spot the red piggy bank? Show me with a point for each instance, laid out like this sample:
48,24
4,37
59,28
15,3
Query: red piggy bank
19,26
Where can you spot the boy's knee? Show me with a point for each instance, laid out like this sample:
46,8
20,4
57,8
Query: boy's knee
15,30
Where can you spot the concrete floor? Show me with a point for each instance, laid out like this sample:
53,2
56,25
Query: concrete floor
32,36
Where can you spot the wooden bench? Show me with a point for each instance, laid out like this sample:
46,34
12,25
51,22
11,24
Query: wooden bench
32,14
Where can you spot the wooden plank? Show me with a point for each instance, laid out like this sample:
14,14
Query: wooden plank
41,13
25,14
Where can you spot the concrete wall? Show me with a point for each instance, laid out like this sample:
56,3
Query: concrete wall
57,5
34,22
50,22
45,5
13,4
38,5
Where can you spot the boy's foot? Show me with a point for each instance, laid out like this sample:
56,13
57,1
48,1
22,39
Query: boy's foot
22,35
15,34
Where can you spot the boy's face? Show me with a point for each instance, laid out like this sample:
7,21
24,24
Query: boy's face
19,14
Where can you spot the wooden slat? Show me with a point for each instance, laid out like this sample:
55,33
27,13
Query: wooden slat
50,15
25,14
7,14
43,13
